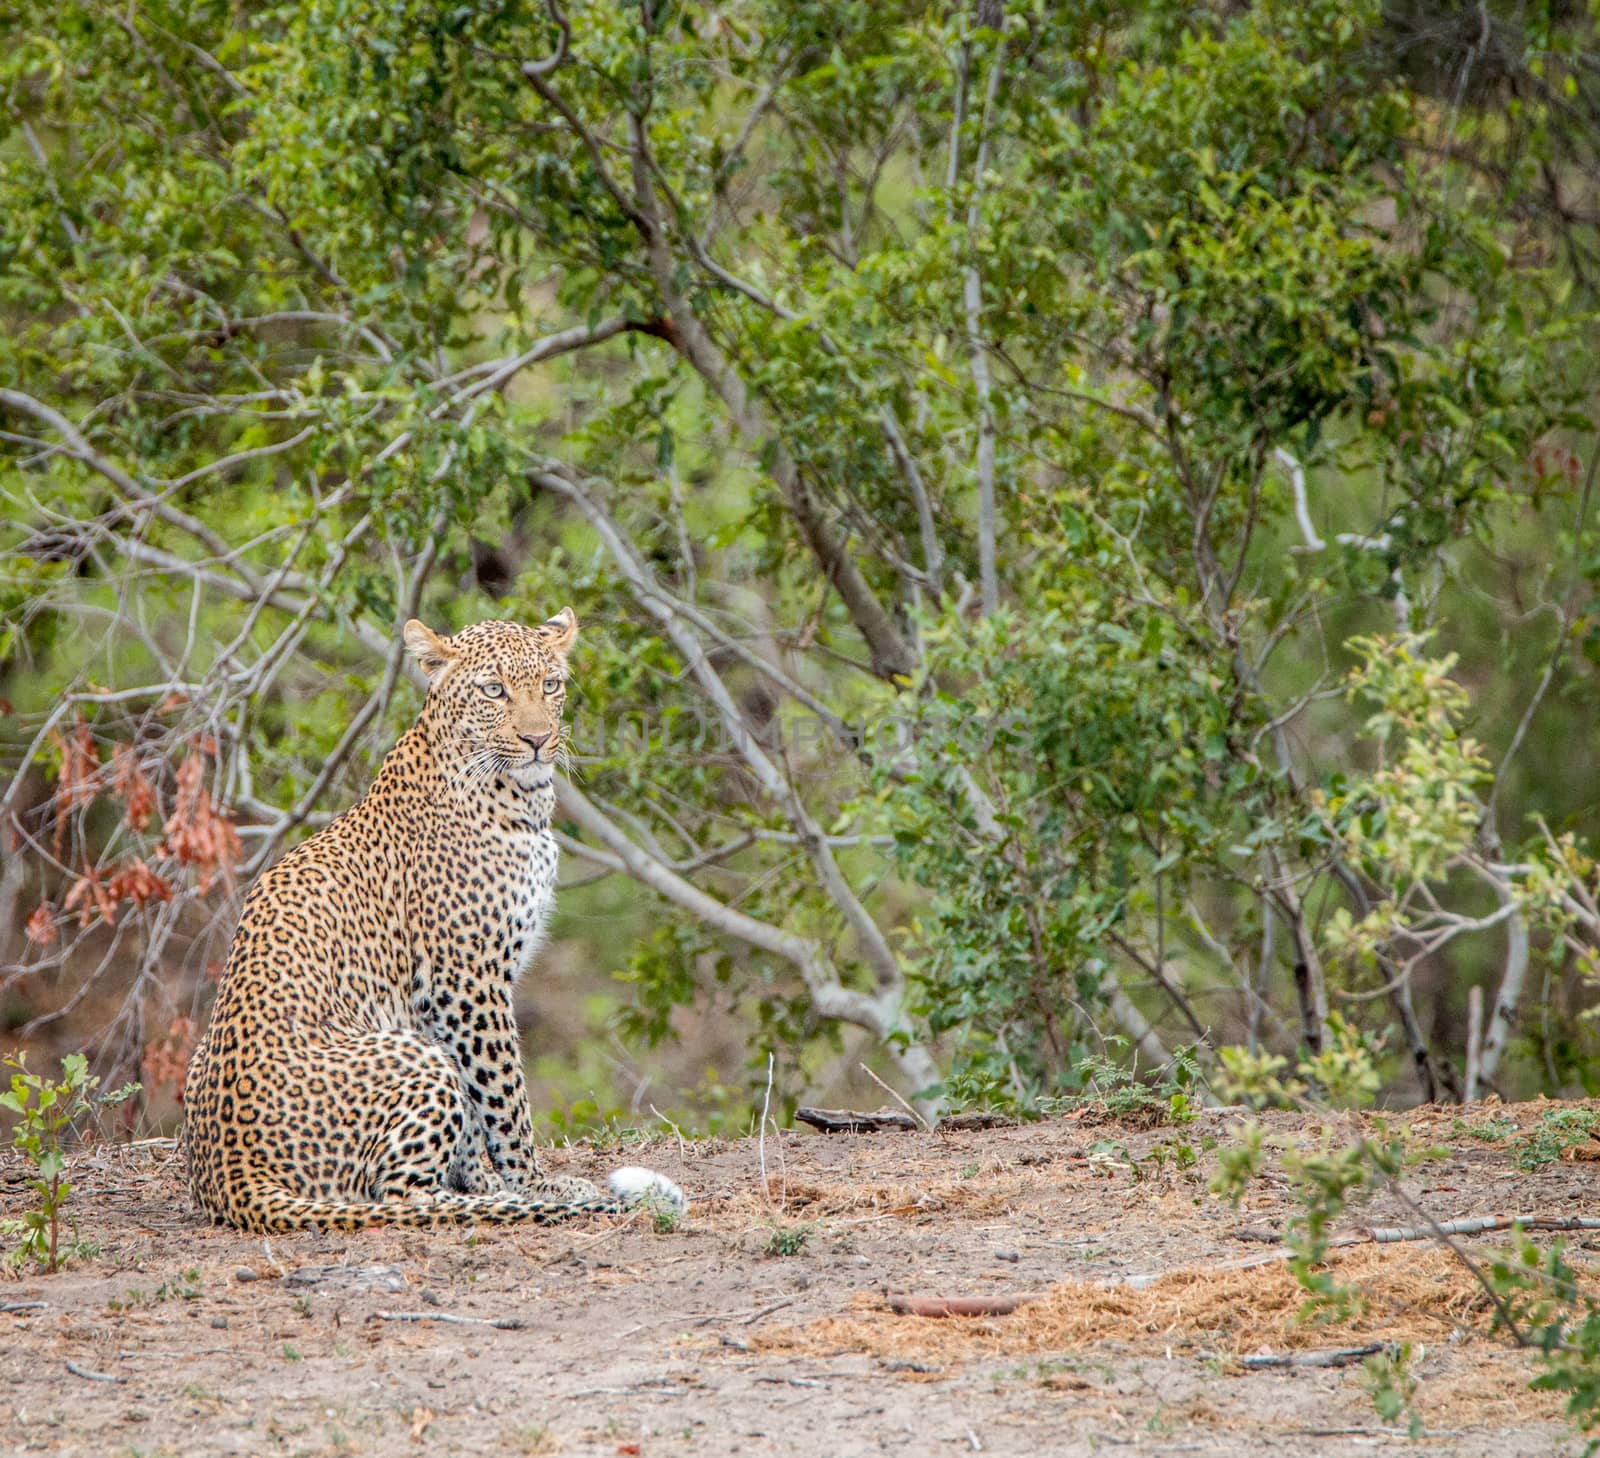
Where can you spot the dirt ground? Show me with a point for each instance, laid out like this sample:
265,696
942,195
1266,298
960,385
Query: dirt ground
613,1339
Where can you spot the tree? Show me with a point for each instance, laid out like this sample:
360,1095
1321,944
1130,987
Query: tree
981,437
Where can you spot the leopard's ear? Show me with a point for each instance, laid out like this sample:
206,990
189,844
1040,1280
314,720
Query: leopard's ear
434,652
561,631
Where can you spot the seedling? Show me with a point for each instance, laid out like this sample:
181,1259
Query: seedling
788,1240
45,1111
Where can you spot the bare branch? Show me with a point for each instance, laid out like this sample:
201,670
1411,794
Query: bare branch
972,300
869,936
892,656
880,1015
531,69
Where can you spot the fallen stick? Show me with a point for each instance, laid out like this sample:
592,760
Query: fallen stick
848,1121
504,1323
1476,1225
643,1389
896,1097
756,1316
1334,1357
854,1121
976,1119
10,1306
84,1372
956,1305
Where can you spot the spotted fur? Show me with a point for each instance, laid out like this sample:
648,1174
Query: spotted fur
362,1065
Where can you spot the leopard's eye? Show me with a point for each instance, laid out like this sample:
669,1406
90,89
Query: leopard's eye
552,685
494,690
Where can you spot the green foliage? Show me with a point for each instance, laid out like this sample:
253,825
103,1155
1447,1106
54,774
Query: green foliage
1489,1131
46,1111
788,1240
1111,1088
1271,329
1418,811
1553,1134
1101,776
1324,1182
1343,1075
1543,1303
1239,1161
1388,1380
1254,1078
1540,1299
666,1217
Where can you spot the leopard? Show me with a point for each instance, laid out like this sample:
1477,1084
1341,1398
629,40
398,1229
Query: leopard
362,1065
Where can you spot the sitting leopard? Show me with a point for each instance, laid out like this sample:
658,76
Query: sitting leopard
362,1059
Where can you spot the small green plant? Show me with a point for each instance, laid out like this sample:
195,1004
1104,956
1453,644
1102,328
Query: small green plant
1106,1156
1490,1131
1388,1380
1344,1074
1179,1153
1255,1078
1238,1163
537,1440
1126,1097
788,1240
1555,1133
666,1218
1542,1304
181,1288
1537,1294
46,1111
1324,1183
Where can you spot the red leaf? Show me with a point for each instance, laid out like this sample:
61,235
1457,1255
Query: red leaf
41,925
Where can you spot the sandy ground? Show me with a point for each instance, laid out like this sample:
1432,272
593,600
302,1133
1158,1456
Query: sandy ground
613,1339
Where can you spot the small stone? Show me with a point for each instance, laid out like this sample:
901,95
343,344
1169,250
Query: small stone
246,1273
219,1323
1008,1255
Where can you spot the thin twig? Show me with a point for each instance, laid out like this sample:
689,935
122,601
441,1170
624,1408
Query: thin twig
1334,1357
84,1372
761,1135
683,1152
502,1323
651,1389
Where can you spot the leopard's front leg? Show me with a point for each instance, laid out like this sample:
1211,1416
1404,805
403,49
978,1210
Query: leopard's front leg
479,1033
492,1068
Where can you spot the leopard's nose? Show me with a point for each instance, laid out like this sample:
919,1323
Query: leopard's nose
535,741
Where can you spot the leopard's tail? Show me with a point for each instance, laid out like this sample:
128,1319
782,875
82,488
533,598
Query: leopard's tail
275,1210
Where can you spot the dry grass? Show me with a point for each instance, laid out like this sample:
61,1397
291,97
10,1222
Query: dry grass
1413,1295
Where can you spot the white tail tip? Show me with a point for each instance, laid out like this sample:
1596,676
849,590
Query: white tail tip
635,1183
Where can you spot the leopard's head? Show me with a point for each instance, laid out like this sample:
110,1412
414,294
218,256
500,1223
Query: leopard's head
498,689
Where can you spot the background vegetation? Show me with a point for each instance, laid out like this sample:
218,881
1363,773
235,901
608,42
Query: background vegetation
1080,516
